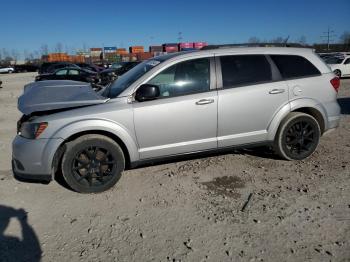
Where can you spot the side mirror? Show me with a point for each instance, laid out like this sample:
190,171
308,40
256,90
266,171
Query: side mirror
147,92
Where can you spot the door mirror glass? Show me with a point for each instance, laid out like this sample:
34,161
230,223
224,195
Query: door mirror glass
147,92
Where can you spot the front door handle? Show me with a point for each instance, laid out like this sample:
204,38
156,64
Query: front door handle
276,91
205,101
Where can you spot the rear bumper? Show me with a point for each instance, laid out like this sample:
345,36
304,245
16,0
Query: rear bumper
333,122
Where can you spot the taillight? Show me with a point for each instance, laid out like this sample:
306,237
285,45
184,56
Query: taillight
336,83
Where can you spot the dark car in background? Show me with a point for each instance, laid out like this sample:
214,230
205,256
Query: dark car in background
70,73
117,69
50,67
25,68
90,67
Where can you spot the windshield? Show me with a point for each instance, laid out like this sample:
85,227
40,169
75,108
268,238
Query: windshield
127,79
130,77
334,60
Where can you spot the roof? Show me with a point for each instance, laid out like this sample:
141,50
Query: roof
239,50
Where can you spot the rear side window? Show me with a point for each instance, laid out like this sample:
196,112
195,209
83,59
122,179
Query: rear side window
240,70
292,66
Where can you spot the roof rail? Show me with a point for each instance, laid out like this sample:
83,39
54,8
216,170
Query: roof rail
210,47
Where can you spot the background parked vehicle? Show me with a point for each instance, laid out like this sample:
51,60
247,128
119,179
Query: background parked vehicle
116,70
70,73
50,67
25,68
90,67
7,69
340,66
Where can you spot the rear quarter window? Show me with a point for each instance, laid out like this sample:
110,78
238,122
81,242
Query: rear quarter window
292,66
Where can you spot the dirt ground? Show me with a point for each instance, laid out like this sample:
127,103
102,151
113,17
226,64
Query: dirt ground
184,211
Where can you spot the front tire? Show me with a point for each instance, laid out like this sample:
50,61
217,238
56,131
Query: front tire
92,163
297,137
337,72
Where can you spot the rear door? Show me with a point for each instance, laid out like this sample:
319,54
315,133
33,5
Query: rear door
250,94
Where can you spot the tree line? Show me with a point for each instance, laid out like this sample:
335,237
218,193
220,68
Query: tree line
8,56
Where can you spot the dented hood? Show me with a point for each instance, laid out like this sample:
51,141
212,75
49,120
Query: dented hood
57,94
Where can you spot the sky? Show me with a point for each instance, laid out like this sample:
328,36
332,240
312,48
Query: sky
28,24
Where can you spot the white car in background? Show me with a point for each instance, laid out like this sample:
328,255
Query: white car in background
6,70
340,66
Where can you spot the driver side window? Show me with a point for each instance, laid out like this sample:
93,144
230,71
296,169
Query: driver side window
184,78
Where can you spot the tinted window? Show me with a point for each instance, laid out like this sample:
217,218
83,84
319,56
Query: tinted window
73,72
61,72
347,61
334,60
291,66
244,70
184,78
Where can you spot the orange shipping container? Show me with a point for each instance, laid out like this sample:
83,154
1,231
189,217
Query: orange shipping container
144,56
136,49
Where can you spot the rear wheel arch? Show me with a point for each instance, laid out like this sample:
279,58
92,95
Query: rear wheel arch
309,107
297,136
314,113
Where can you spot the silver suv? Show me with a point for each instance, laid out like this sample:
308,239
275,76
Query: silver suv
174,105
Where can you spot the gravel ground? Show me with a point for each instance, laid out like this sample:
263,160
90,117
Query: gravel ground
184,211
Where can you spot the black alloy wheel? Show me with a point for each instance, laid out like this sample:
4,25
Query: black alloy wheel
93,166
92,163
300,139
297,137
337,72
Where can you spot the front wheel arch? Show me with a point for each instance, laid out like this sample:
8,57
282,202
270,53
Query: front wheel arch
56,163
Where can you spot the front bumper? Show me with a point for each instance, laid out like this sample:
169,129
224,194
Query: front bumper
28,177
32,158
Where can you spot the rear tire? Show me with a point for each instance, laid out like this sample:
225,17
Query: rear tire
337,72
297,137
92,163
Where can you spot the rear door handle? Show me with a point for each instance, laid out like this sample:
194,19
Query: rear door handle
276,91
205,101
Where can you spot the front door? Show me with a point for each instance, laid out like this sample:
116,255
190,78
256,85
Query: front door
184,118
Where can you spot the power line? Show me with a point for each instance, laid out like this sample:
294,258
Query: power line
328,36
179,37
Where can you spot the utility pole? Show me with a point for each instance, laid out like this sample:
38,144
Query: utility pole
328,37
179,37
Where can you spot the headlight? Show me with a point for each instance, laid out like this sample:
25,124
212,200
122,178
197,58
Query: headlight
32,130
